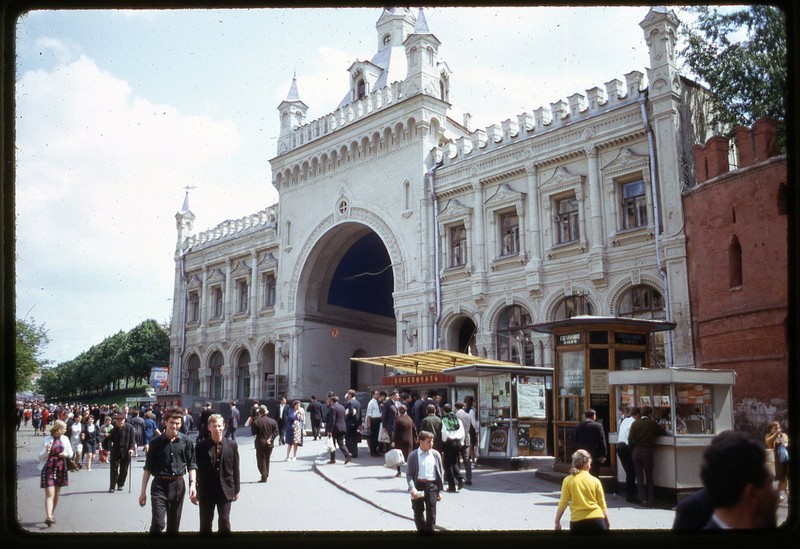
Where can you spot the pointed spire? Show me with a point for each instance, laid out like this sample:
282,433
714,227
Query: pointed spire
294,95
421,26
185,207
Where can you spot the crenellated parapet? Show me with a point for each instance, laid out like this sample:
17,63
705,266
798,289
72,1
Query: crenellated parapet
342,117
232,228
559,114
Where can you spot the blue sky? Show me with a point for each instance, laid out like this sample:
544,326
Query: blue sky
118,111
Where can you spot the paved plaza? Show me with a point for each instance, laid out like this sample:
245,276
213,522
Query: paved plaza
310,497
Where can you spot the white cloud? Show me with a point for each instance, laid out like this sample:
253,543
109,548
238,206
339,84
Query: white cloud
99,177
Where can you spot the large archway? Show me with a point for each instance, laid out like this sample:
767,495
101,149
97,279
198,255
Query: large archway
345,309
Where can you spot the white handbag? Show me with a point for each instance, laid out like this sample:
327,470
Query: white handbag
329,445
394,458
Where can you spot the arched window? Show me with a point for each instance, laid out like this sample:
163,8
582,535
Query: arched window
643,301
215,363
735,264
361,89
514,342
193,381
243,376
573,305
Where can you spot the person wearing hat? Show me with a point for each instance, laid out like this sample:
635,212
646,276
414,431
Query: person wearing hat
121,445
265,430
171,455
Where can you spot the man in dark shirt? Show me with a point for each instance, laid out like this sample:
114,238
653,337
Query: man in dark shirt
353,422
202,428
265,429
121,445
171,455
315,412
590,436
641,439
217,477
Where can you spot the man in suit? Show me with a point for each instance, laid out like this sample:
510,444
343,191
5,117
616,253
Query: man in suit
738,482
590,436
425,477
352,410
283,410
217,477
121,445
233,421
420,409
265,429
315,413
336,428
389,413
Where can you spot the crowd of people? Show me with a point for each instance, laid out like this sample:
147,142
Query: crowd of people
433,439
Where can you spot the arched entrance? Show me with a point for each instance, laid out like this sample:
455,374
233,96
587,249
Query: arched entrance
345,308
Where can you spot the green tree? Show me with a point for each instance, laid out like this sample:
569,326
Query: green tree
147,343
741,55
31,341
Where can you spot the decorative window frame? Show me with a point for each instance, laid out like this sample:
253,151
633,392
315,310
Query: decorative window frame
563,184
216,283
268,266
241,275
504,201
194,288
628,167
455,214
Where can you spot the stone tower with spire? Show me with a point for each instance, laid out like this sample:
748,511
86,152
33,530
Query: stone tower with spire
292,112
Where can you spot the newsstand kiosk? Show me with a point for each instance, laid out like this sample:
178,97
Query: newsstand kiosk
605,363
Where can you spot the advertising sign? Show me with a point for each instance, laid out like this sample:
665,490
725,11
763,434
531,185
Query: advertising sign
159,377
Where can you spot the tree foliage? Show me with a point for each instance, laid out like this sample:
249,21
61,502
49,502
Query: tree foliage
123,358
742,56
31,341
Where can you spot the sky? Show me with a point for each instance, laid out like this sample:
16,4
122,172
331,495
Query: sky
119,111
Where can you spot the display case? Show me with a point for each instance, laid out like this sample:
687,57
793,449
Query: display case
691,404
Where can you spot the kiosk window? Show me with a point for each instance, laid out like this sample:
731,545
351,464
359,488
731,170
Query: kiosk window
694,409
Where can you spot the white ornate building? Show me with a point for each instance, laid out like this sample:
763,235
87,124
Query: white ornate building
398,228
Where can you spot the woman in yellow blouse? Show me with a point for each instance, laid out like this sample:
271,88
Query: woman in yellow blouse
584,495
774,439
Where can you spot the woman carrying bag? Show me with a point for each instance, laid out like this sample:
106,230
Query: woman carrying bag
56,450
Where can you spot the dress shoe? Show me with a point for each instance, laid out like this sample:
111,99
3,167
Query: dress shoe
263,480
468,482
119,488
332,461
451,490
460,485
110,490
347,460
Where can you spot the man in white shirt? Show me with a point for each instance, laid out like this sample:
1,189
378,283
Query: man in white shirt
374,423
625,456
425,476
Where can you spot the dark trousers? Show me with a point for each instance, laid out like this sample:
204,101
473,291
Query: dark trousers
166,498
263,455
425,507
119,470
450,462
643,466
281,430
315,426
626,459
338,437
463,451
588,526
215,499
351,440
230,432
374,431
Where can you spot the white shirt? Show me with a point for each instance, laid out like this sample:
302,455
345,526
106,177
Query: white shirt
624,430
373,408
427,466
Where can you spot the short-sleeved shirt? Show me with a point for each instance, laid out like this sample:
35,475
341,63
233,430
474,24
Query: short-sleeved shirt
167,458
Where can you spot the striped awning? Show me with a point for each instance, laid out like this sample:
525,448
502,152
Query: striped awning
434,361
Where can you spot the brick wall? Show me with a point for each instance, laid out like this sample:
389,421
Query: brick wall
739,314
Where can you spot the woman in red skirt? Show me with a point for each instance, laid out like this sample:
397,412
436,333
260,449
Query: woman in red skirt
55,449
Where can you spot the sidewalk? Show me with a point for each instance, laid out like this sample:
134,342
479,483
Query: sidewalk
497,500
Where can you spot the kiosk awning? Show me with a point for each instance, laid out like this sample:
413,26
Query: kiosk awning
434,361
